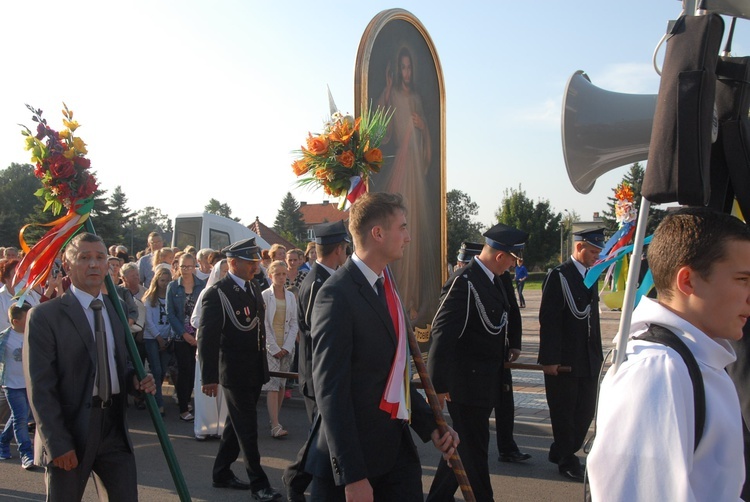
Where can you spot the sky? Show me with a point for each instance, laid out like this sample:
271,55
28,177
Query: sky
183,101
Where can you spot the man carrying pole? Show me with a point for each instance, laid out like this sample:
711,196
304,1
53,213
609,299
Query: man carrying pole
467,355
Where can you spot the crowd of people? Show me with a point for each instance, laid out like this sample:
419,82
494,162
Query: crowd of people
227,326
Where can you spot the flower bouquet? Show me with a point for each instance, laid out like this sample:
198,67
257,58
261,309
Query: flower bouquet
342,157
67,183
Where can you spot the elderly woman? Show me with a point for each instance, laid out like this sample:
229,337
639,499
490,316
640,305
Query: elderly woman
281,333
182,295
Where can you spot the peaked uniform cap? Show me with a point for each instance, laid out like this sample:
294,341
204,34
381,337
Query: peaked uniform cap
245,249
595,237
469,250
506,238
331,233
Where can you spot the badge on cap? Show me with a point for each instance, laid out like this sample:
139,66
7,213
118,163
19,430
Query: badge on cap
245,249
594,236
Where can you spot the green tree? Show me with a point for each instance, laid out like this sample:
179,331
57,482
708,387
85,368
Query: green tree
543,226
114,222
460,225
147,220
19,205
289,223
222,209
634,177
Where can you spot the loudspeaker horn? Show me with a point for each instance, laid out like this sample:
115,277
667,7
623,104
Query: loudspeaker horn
602,130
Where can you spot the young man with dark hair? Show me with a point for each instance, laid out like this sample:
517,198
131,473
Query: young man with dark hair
361,447
648,446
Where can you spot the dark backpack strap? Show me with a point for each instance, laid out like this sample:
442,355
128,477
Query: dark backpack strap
660,334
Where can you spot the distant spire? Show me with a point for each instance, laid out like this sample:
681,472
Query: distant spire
257,226
331,103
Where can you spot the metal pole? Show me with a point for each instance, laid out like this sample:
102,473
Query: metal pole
153,409
631,286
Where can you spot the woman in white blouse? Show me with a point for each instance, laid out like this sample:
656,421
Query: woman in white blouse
281,333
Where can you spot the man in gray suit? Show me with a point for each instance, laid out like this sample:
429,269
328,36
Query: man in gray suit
80,413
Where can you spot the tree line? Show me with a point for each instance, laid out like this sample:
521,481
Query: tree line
117,223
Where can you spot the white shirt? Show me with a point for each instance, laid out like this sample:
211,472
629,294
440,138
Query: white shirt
646,421
85,300
369,274
13,373
486,270
581,268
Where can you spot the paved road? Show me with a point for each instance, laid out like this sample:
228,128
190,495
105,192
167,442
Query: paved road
536,480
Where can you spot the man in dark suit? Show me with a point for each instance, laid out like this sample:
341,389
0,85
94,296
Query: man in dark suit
79,410
331,243
569,335
467,355
232,342
361,447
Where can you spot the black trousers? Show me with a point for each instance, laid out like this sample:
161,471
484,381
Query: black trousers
402,482
505,410
572,403
240,434
107,456
294,476
185,355
472,423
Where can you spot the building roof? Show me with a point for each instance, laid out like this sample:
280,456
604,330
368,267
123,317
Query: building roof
267,234
314,214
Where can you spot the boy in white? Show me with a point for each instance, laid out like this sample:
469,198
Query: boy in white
645,447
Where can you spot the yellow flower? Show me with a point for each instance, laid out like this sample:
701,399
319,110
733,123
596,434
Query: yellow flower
69,154
30,142
70,124
64,134
79,146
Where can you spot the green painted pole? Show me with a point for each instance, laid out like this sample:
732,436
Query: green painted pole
153,409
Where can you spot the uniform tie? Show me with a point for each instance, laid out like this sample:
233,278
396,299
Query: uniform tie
103,381
249,289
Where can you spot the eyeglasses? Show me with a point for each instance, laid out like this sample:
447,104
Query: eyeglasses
187,267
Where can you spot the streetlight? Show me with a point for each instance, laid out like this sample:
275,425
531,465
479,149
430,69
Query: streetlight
562,249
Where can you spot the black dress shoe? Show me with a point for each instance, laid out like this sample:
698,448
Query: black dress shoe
294,496
514,457
233,483
573,474
266,495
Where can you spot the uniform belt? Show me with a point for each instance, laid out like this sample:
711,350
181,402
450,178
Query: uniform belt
97,402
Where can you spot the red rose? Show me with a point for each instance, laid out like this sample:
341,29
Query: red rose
82,163
88,187
60,167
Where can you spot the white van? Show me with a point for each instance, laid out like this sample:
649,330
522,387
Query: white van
206,230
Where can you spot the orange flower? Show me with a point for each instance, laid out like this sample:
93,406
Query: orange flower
317,145
374,156
344,129
346,159
321,174
300,167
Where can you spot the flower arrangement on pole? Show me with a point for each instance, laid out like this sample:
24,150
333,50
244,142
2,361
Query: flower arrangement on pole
342,157
61,165
614,255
